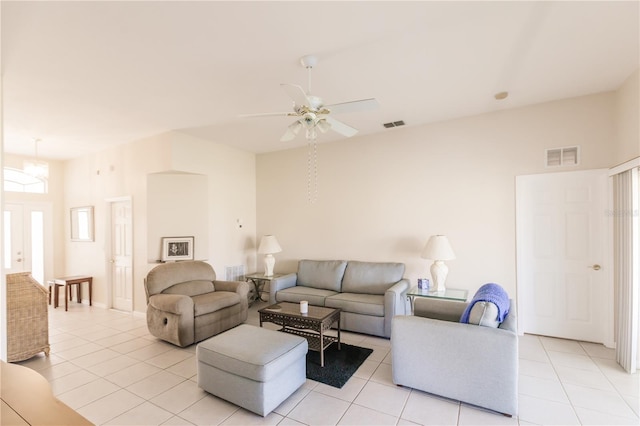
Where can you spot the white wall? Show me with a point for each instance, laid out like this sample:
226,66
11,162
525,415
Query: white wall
627,110
173,211
382,196
231,198
123,171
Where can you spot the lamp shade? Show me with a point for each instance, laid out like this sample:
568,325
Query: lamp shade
269,244
438,248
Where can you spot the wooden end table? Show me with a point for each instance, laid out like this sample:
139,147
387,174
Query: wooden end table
76,280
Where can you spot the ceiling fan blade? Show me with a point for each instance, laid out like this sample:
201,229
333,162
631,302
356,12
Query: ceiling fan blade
296,93
266,114
340,127
353,106
292,131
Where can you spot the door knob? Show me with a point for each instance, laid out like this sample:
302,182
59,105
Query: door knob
595,267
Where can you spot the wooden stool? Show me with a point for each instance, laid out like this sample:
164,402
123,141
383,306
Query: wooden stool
53,287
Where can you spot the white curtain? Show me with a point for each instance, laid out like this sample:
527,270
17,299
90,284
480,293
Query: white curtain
626,261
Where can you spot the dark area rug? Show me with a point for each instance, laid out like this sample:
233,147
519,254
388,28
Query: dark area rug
339,365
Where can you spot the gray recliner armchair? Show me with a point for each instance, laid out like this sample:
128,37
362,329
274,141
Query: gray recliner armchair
433,352
186,304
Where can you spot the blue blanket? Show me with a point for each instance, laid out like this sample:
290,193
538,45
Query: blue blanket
489,293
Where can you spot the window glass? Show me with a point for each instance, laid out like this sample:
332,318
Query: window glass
7,240
16,180
37,245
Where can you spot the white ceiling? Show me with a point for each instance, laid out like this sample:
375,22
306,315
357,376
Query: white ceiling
83,76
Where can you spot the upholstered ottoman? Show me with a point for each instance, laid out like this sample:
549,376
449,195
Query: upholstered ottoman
253,367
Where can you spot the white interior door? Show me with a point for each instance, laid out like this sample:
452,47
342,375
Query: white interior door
562,253
14,240
122,255
28,241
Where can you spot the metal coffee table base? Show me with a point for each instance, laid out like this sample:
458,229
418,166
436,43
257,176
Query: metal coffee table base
311,326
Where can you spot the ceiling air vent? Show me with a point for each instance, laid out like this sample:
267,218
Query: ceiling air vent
556,157
394,124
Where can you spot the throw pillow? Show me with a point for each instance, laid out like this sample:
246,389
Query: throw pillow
488,294
484,314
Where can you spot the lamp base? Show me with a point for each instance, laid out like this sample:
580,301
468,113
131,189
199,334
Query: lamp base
439,273
269,263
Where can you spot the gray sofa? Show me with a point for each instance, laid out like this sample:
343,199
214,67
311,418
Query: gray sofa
186,304
369,293
433,352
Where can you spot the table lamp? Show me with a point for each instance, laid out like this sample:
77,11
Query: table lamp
268,246
438,249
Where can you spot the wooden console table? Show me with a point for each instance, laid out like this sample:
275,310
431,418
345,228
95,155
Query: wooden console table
27,399
68,282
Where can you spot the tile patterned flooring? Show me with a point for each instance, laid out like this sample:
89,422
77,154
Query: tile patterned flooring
105,365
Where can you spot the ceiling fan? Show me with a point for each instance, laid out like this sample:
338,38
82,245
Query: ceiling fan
312,114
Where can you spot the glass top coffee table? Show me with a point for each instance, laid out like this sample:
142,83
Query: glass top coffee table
311,325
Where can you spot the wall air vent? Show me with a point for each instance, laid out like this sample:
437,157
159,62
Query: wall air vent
556,157
394,124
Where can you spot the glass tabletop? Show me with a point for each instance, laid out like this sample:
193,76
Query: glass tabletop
262,276
449,293
293,310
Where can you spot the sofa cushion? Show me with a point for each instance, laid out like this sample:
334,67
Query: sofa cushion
295,294
191,288
371,277
364,304
212,302
165,275
323,274
484,314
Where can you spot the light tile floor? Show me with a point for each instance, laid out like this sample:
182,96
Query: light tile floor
105,365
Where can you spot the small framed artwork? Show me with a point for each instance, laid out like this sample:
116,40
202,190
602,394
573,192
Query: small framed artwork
177,248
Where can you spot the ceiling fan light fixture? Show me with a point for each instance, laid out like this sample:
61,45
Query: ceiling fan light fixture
309,119
323,125
292,130
36,168
295,127
309,61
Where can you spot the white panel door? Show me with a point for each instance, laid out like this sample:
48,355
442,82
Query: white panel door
15,242
563,289
122,256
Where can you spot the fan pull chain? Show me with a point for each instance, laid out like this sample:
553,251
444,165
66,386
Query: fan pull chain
312,170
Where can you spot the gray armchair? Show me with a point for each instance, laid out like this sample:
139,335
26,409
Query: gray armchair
186,304
433,352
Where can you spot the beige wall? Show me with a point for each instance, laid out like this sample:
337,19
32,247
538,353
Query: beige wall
628,120
123,171
174,212
381,197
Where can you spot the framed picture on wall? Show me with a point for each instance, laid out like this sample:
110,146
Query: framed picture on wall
177,248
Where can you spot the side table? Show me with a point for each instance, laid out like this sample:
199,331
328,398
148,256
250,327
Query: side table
455,294
259,279
68,282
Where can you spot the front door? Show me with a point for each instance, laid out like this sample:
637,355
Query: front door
562,255
27,239
15,259
122,255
